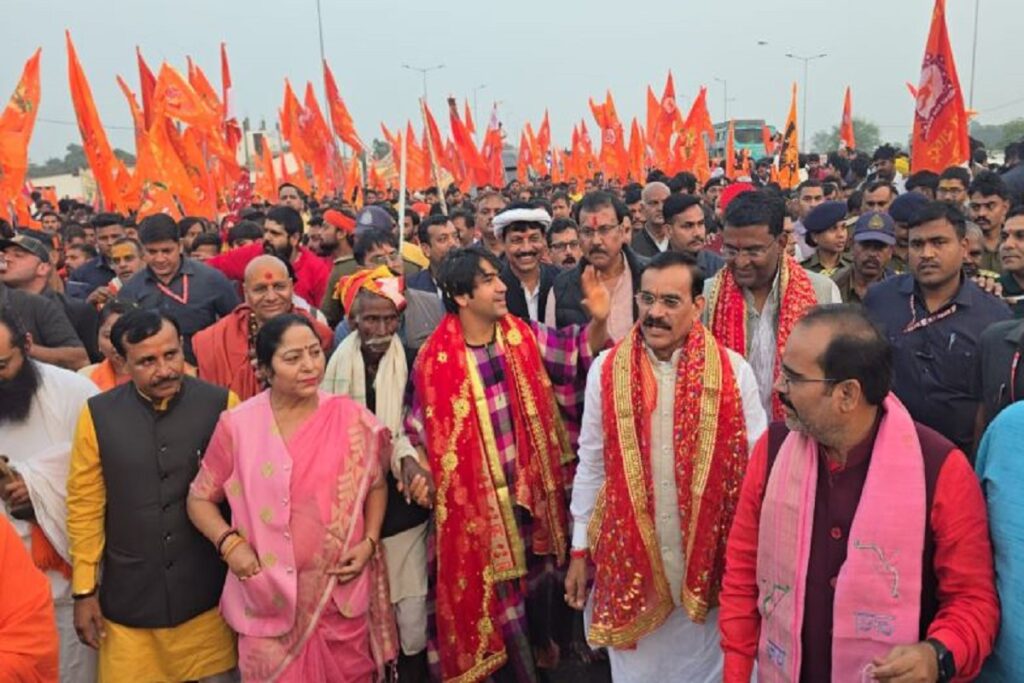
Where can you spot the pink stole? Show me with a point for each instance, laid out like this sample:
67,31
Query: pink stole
877,600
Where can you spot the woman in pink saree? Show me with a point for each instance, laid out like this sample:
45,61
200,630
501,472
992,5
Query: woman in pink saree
302,473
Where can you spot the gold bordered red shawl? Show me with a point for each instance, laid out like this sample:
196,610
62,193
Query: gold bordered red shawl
729,312
478,540
631,592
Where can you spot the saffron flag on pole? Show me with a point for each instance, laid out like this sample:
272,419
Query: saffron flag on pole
523,161
232,131
104,165
940,136
468,115
475,164
147,84
341,120
729,164
846,137
16,124
789,153
149,186
667,122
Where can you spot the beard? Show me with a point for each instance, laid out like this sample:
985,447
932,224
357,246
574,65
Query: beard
284,253
16,394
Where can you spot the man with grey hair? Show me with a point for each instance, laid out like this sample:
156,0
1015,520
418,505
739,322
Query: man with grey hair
651,238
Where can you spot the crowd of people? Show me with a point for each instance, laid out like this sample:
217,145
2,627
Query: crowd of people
666,430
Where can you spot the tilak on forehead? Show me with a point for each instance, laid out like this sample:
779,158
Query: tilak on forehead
592,220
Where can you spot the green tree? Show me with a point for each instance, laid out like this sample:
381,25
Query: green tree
865,133
73,162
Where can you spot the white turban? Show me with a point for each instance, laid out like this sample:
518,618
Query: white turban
510,216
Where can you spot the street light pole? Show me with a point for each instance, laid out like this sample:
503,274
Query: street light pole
803,116
974,54
725,98
424,70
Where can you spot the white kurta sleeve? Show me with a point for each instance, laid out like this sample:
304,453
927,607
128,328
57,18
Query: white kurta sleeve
590,469
753,411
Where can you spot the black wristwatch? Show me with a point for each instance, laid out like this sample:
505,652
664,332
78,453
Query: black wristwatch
947,667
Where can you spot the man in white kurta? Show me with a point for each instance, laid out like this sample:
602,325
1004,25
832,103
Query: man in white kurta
678,648
39,446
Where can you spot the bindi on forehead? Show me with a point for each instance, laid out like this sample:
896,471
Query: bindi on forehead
592,221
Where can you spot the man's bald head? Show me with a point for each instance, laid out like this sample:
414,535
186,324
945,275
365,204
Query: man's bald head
265,264
268,287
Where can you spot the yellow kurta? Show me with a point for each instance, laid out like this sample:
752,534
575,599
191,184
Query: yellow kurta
202,646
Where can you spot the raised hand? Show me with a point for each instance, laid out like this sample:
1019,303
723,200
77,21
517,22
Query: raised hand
596,297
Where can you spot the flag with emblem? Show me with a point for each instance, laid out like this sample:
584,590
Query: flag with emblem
939,139
16,124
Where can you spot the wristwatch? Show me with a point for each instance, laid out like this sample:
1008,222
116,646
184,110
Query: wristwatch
947,667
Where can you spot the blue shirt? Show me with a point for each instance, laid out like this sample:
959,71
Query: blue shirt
88,276
1001,471
210,296
936,367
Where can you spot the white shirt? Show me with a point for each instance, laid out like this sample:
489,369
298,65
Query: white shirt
532,300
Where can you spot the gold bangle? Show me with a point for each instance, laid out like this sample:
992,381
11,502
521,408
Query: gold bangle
231,546
373,545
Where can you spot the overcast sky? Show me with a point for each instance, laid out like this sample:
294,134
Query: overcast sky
529,55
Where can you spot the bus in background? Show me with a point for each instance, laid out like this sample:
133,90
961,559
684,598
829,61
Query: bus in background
747,133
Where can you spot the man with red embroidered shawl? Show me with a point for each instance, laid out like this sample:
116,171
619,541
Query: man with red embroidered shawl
860,548
754,302
485,415
225,351
669,417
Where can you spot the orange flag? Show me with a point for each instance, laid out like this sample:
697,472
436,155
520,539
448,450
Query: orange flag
729,166
789,153
374,180
491,151
202,87
691,152
653,113
556,166
266,178
105,166
614,158
476,165
417,172
543,144
16,124
290,112
340,118
175,97
846,138
354,182
940,136
667,122
147,84
232,131
468,115
636,152
435,144
319,141
523,161
766,140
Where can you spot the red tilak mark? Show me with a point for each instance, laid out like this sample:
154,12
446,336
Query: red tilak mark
267,275
593,221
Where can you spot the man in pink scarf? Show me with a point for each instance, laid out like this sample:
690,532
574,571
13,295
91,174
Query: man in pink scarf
860,546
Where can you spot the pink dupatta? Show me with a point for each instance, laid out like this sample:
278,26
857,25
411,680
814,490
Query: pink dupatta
877,601
300,505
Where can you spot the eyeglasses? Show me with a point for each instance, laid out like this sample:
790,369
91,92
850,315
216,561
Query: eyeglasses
384,259
562,246
671,302
729,253
603,231
787,378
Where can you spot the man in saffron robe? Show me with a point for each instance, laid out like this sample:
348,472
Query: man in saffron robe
225,350
487,388
753,303
672,403
39,407
860,547
28,637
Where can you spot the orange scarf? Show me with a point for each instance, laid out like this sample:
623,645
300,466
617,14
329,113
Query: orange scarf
729,312
631,591
478,541
105,377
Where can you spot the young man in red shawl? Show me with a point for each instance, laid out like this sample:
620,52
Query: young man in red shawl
860,546
754,302
225,350
669,419
487,389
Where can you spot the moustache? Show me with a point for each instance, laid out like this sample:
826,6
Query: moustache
525,254
379,341
569,261
167,380
656,323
